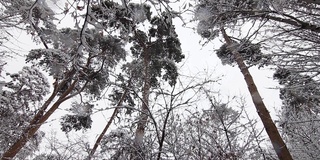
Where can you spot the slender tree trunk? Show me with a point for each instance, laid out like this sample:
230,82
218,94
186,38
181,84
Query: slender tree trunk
163,134
115,112
35,125
144,113
271,129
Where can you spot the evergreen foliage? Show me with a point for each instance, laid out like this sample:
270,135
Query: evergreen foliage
19,99
300,112
250,52
124,55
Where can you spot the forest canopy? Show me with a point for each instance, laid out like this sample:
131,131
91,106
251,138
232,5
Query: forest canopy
126,61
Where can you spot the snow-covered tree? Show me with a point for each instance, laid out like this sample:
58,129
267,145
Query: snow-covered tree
216,132
56,149
89,57
300,113
163,106
288,31
20,99
217,16
154,51
79,61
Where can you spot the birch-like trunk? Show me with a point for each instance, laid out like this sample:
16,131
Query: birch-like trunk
271,129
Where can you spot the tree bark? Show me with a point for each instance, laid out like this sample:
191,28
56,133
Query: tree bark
34,126
144,113
271,129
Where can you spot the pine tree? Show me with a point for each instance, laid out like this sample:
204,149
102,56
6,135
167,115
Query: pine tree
214,16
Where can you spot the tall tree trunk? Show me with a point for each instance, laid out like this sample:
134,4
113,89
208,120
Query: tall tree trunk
271,129
35,124
113,116
144,112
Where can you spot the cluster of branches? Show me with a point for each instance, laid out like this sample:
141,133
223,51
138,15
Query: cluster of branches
84,61
285,36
